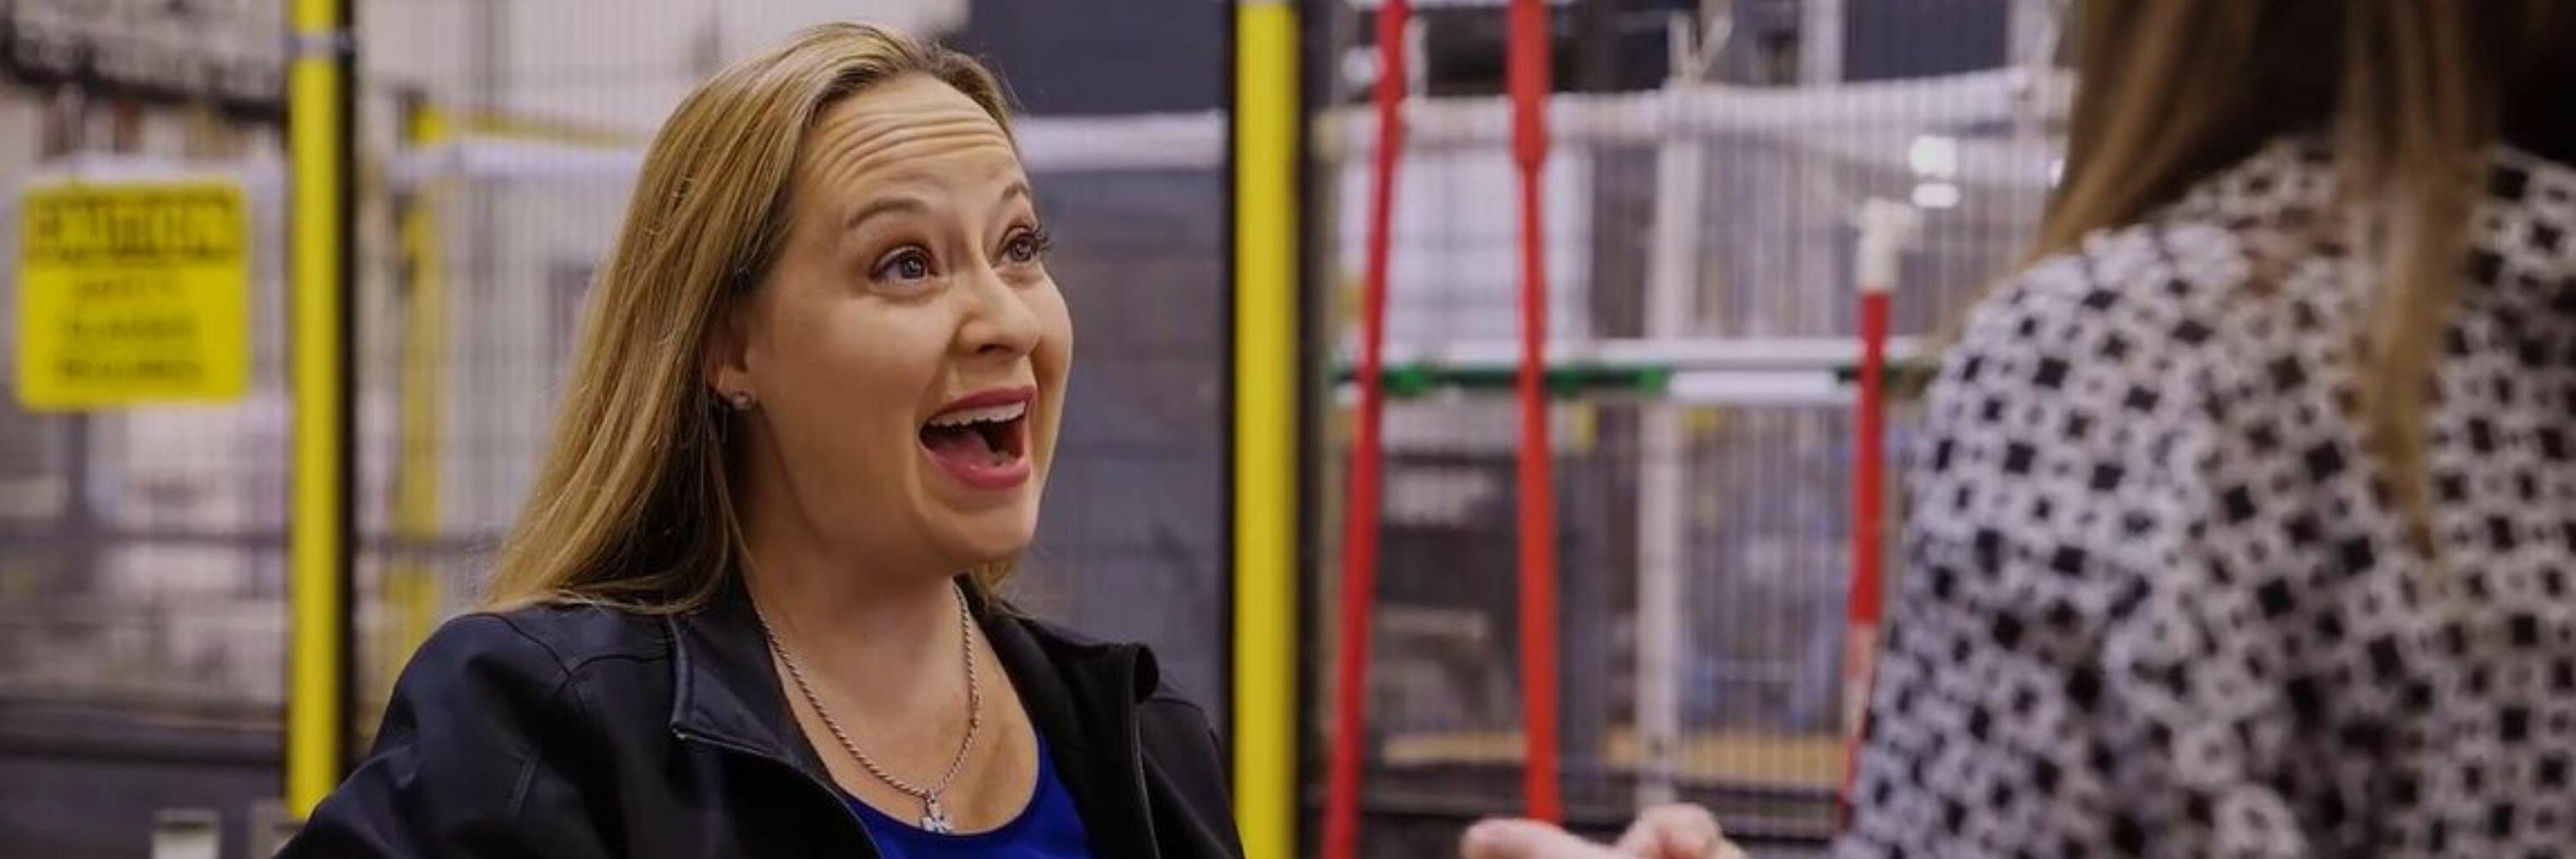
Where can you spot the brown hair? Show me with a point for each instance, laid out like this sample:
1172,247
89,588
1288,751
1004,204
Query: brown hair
631,507
2412,92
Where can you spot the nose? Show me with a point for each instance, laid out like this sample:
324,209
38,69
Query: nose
998,321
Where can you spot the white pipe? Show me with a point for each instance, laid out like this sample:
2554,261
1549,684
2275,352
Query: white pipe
1720,388
1662,537
1886,227
1870,122
1820,42
1780,388
1160,141
1912,105
1417,74
1763,354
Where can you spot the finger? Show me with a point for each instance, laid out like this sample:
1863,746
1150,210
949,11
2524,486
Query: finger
1673,832
1526,839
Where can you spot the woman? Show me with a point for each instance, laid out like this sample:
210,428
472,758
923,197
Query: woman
2243,518
821,385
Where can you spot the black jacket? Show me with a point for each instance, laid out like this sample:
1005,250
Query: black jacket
569,732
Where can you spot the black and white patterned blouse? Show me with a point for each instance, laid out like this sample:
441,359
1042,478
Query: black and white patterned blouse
2154,605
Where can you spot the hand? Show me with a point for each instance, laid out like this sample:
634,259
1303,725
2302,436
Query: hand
1663,832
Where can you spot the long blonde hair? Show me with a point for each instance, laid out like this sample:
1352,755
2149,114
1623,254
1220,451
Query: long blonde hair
2413,92
632,506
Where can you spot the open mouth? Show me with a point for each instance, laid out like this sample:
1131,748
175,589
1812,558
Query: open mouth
983,445
992,434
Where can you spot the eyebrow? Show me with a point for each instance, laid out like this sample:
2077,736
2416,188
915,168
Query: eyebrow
1019,188
882,206
915,205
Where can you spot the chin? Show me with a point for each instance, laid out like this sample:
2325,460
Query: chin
991,536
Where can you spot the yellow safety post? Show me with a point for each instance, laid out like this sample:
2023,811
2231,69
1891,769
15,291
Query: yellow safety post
510,126
322,238
1266,425
412,589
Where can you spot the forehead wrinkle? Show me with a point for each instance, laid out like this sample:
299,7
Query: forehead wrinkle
847,149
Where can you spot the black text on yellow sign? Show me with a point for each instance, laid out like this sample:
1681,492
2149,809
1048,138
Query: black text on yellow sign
132,293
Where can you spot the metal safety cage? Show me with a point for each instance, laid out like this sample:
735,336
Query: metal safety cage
1705,315
143,558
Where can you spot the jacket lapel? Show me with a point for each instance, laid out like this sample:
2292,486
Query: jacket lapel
1082,697
725,691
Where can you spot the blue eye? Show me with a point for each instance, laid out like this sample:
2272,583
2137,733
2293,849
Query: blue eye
906,264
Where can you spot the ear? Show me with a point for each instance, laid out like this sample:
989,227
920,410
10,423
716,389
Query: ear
726,366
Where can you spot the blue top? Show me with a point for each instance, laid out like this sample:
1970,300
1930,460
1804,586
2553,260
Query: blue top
1048,828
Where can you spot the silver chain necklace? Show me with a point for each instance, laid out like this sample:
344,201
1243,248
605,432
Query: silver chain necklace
934,817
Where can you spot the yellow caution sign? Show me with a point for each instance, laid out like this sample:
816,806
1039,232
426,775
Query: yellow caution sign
132,293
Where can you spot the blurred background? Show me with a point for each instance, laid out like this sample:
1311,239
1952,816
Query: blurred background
1709,164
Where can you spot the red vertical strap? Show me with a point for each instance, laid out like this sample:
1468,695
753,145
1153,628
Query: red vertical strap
1869,503
1360,514
1869,462
1529,81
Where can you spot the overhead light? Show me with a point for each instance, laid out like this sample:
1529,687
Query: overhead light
1936,195
1360,68
1934,156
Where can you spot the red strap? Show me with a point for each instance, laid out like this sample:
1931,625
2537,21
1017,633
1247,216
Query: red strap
1360,514
1869,503
1529,83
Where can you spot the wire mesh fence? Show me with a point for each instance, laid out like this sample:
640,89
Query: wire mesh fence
1735,327
465,343
142,552
142,549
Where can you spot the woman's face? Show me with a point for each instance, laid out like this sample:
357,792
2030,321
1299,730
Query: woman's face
908,351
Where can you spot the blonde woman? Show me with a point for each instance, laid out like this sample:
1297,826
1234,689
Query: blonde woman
746,611
2244,519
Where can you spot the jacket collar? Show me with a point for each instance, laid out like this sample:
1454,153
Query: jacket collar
1081,695
724,689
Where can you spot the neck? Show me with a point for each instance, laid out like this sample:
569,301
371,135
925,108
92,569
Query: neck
836,614
843,613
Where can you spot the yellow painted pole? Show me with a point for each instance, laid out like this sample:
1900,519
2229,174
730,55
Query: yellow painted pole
319,141
493,123
412,588
1266,423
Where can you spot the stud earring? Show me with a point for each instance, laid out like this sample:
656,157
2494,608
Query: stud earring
740,400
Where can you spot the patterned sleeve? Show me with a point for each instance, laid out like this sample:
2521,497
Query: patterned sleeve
2046,687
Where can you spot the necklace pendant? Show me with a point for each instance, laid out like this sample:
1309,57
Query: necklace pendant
934,819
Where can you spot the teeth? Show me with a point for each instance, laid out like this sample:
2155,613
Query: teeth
985,415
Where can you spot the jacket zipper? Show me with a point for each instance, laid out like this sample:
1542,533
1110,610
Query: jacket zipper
851,817
1144,797
1130,736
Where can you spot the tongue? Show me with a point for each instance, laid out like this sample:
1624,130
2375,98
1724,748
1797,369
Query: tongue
957,443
